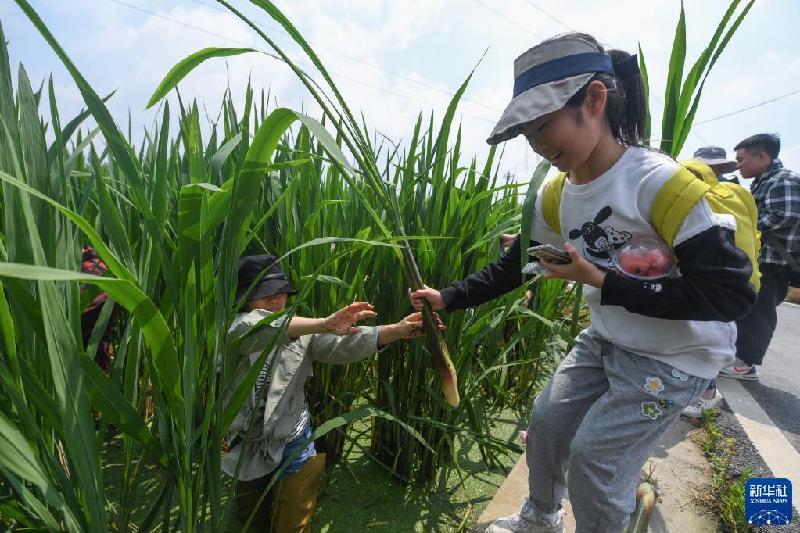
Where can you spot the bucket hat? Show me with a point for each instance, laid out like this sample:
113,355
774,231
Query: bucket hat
272,282
716,156
545,78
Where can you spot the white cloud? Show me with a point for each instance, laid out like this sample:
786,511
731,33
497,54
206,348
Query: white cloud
432,45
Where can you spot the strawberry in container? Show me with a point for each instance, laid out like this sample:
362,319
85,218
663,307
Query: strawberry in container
645,258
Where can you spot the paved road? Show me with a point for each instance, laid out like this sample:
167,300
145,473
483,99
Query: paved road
778,390
768,410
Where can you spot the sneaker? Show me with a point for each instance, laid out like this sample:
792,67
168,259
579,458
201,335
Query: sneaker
528,520
739,372
696,408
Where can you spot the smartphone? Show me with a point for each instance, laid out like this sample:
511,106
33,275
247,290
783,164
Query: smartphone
550,253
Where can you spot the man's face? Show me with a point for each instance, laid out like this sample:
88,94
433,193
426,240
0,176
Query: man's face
751,164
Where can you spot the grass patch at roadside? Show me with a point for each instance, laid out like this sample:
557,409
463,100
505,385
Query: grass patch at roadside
727,495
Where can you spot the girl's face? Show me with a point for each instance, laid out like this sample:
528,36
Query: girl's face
568,137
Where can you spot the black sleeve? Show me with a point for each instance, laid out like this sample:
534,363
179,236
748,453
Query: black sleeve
714,283
494,280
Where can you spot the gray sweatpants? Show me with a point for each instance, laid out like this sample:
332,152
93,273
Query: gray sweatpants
595,424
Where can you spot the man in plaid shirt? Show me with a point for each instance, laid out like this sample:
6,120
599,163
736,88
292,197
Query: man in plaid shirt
777,194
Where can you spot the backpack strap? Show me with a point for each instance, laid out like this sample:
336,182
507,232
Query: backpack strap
551,202
674,201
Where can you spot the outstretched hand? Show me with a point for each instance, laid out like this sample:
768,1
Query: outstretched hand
578,270
343,321
407,328
411,326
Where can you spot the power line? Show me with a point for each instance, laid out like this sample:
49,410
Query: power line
192,27
548,15
510,21
742,110
364,62
273,56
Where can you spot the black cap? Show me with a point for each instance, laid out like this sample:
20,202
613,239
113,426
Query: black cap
272,282
714,156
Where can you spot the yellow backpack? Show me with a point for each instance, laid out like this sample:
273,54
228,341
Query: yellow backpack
678,196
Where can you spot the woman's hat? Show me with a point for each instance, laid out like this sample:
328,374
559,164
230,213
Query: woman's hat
266,273
716,156
545,78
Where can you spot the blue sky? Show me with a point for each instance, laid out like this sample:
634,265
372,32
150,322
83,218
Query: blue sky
394,59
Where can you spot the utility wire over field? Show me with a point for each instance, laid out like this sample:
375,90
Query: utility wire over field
748,108
368,63
335,73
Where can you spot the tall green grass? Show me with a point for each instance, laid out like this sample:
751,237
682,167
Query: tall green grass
682,91
169,218
350,217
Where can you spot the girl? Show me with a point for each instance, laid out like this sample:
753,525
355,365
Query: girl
652,345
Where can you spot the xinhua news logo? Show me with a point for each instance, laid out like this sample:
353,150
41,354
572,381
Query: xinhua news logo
768,501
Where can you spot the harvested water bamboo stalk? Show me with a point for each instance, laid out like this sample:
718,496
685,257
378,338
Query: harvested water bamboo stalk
442,364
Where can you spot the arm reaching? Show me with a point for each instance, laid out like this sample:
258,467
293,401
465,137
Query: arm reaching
343,349
342,322
494,280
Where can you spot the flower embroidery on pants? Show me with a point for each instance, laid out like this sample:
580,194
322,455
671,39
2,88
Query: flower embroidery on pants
651,410
653,385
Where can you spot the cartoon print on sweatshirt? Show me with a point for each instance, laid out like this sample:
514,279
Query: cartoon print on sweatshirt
599,240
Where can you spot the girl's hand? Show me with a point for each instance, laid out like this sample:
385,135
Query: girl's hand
578,270
407,328
432,296
342,322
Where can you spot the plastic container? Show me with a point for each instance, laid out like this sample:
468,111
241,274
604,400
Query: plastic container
645,258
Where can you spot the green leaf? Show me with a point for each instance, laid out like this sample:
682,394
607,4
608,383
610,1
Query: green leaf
107,398
17,456
224,152
333,280
689,119
37,508
188,64
528,209
111,260
690,84
7,328
673,87
646,87
146,314
114,138
117,145
71,127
